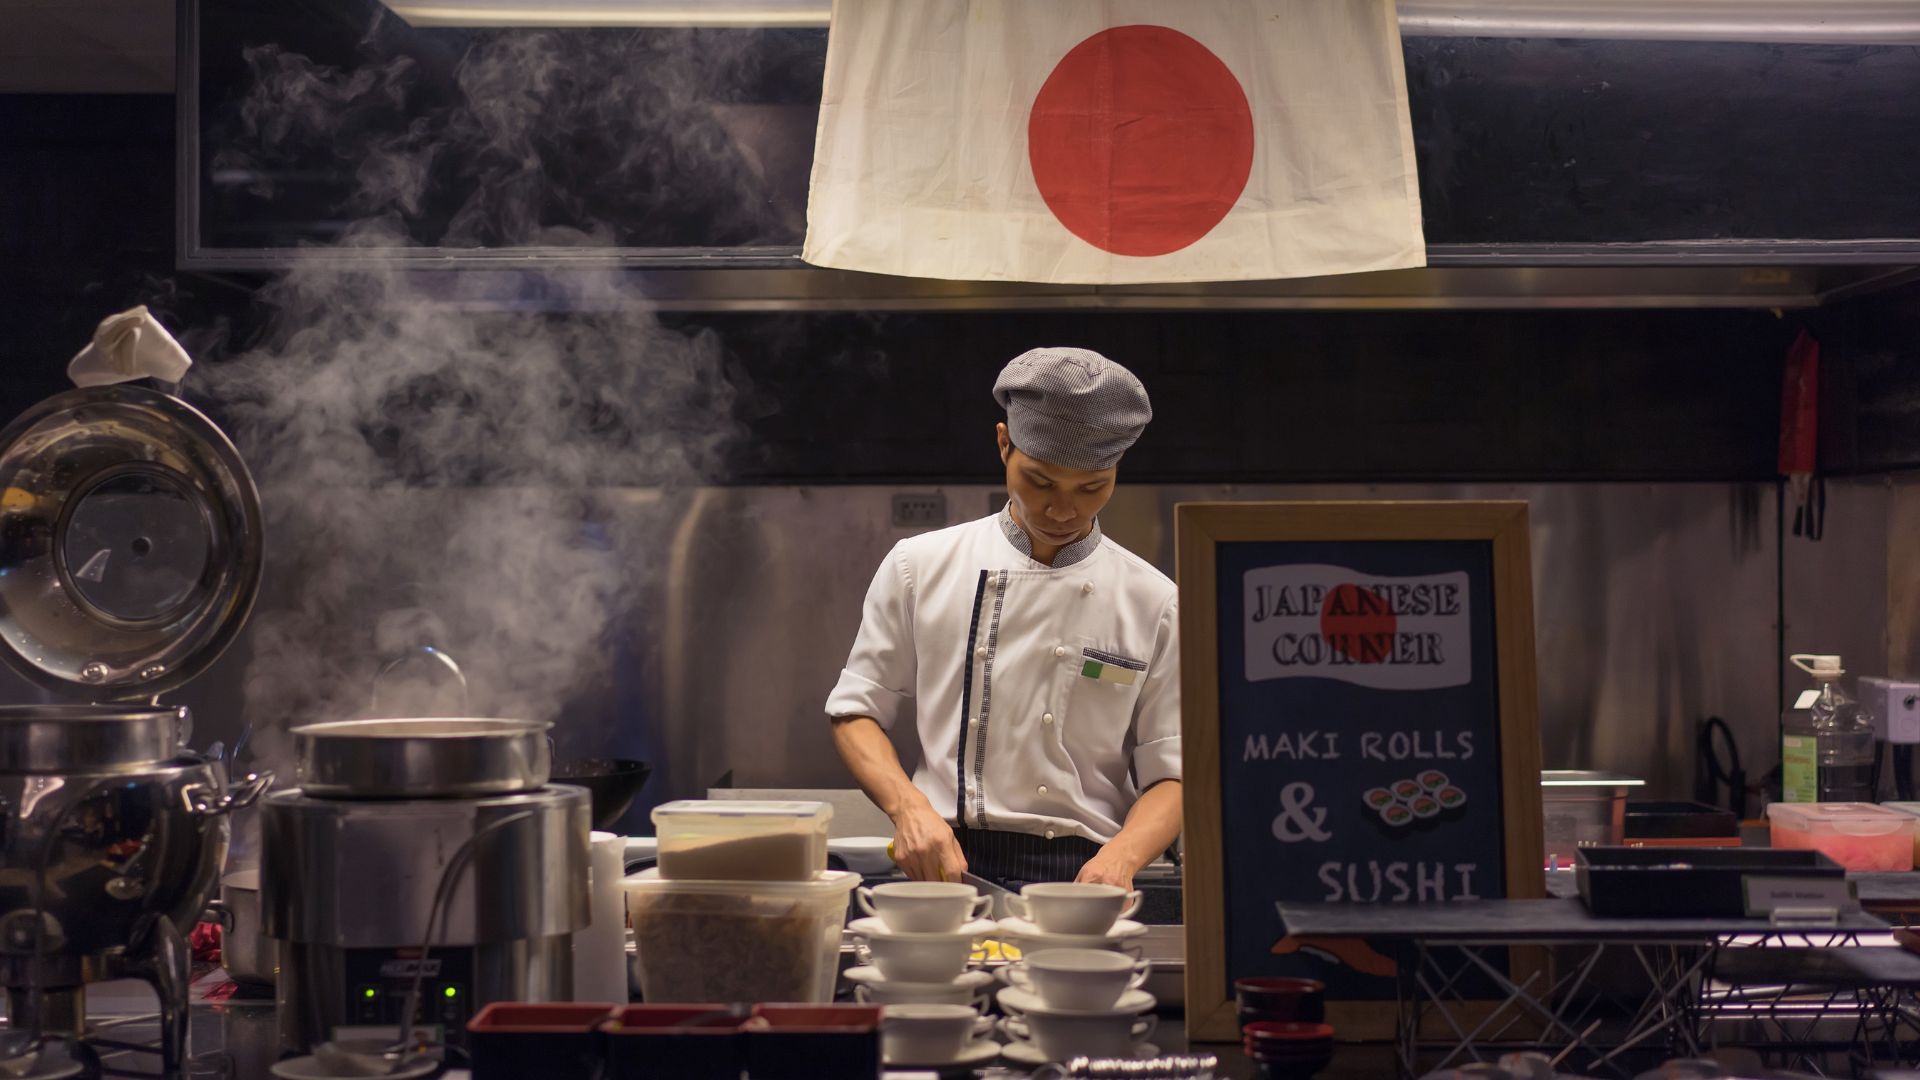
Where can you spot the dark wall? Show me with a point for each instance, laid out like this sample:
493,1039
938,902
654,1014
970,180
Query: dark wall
87,229
1870,384
1246,397
86,225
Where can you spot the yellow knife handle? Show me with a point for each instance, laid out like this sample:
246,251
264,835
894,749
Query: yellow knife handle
943,870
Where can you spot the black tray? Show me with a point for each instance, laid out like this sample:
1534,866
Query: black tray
1678,820
1681,882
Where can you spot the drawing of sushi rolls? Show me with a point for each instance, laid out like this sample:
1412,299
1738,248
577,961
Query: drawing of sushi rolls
1396,814
1424,806
1407,790
1378,798
1451,797
1433,780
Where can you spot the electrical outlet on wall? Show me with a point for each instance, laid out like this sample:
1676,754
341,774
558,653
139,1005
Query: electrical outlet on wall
919,511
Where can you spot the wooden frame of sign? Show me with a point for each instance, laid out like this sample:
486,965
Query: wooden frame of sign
1433,546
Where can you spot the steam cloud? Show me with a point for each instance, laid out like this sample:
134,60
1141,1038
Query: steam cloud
432,474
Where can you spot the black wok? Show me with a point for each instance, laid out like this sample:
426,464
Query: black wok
611,782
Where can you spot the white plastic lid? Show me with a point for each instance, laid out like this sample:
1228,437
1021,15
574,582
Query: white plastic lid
742,808
1820,666
1833,812
823,884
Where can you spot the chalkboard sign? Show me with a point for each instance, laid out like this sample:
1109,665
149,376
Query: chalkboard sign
1360,726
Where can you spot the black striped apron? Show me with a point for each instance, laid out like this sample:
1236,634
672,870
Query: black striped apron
1012,859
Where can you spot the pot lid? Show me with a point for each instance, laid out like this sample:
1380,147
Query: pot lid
129,543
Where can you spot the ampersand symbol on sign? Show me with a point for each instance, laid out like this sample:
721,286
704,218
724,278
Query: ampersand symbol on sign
1299,819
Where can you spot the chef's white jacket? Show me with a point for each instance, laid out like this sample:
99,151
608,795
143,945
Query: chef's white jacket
1045,699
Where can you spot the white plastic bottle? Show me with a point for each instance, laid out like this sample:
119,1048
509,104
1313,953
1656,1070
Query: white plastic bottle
1827,744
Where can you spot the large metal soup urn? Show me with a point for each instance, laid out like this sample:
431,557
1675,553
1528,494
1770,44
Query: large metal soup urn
129,559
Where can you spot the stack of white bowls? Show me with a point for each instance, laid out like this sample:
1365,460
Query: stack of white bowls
917,949
1067,1003
1069,915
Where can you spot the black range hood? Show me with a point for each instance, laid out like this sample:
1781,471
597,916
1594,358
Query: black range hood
1757,173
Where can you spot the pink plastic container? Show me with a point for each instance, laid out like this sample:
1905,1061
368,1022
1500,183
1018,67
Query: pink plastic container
1858,836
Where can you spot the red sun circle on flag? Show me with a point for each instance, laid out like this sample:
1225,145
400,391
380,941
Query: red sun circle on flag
1358,624
1141,140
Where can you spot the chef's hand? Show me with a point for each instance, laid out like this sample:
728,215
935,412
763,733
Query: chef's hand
1108,867
924,846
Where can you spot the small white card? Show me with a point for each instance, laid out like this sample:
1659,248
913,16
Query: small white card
1807,897
1806,699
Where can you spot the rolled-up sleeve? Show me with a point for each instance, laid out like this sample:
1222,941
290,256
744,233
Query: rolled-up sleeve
1156,715
879,676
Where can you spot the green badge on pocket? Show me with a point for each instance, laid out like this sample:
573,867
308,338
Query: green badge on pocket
1114,673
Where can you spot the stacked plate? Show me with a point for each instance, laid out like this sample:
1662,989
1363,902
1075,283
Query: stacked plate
916,949
1067,1003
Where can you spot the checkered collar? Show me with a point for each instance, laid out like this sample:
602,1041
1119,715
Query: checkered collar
1076,552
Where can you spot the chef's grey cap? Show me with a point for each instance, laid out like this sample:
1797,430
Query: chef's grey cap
1072,407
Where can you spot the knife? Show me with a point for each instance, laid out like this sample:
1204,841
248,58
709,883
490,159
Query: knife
999,908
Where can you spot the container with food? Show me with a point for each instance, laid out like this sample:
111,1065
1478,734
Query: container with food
1914,809
736,941
703,840
1858,836
1582,808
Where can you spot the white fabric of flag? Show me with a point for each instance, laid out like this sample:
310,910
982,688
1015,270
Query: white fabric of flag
1114,141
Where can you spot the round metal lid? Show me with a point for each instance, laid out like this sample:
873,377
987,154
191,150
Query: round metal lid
129,543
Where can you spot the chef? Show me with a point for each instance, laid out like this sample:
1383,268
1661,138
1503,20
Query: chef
1033,662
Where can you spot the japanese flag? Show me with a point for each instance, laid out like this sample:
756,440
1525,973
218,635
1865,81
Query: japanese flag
1114,140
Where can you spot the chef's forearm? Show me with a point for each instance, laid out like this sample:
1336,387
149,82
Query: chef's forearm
1151,826
869,754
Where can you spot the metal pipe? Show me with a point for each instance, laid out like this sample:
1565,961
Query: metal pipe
1879,22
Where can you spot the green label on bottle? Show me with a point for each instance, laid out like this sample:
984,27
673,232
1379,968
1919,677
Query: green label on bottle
1799,768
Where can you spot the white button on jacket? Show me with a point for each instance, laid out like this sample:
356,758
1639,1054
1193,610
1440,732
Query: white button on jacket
1069,674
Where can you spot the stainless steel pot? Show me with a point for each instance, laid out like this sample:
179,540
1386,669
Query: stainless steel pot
114,848
422,758
246,951
349,889
1582,808
58,739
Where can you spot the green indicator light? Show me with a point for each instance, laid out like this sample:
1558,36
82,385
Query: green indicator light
369,993
451,992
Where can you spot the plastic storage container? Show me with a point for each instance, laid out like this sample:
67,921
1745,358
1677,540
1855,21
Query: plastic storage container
555,1040
1858,836
802,1042
736,941
1680,824
1668,883
675,1042
1912,808
703,840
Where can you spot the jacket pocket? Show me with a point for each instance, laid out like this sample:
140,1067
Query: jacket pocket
1099,715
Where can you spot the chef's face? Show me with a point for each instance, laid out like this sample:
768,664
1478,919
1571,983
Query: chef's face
1055,504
